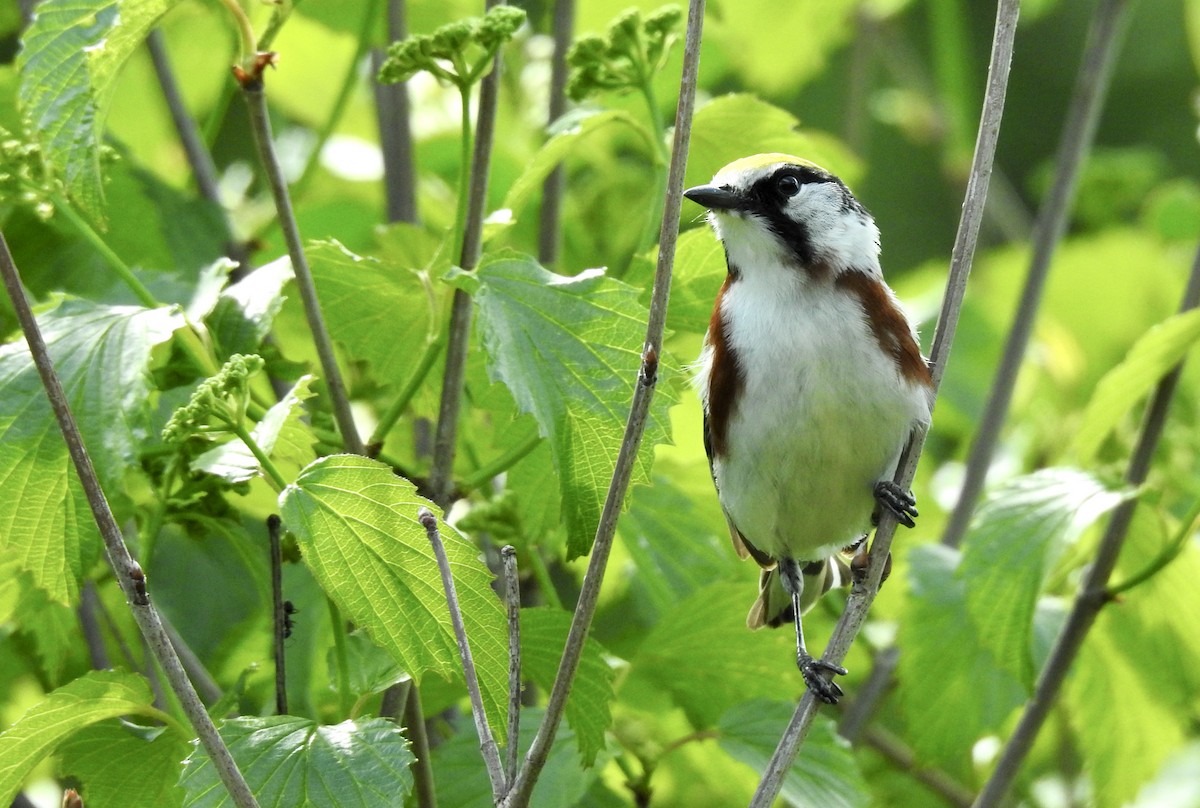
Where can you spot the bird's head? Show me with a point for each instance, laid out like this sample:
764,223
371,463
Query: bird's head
780,208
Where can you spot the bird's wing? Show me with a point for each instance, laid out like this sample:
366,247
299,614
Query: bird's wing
743,548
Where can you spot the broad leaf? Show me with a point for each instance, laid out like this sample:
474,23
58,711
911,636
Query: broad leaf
569,349
825,773
1162,347
245,311
69,62
101,354
93,697
356,522
1011,546
944,652
543,637
726,663
291,762
120,765
697,277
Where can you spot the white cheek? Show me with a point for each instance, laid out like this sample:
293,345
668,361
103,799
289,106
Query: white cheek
846,239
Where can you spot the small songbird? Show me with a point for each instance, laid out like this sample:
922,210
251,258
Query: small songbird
812,382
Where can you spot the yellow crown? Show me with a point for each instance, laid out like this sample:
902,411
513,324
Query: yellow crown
770,158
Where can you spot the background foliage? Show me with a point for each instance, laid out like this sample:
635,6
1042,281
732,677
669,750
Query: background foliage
677,704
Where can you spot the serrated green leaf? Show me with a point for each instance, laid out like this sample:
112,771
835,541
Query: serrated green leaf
119,765
543,637
93,697
282,434
372,670
71,55
565,137
291,762
356,522
942,649
733,126
101,354
383,315
699,272
726,663
245,310
825,773
569,350
1011,546
1160,349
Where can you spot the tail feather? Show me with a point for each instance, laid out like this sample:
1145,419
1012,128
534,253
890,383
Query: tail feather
774,606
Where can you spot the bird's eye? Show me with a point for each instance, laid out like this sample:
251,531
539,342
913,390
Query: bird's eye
788,185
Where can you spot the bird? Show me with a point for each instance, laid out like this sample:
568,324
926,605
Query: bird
811,380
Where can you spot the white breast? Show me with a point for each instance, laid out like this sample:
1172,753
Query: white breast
822,416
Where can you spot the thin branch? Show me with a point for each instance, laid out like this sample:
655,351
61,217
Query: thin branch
129,575
89,612
206,685
395,129
404,698
1093,593
863,592
512,601
936,780
856,716
260,122
281,618
441,474
1169,553
487,743
635,426
549,236
1091,87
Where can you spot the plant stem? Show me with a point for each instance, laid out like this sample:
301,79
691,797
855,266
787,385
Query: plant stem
512,602
502,463
549,235
89,614
433,350
1168,554
245,31
340,654
544,581
487,743
635,427
268,467
414,718
260,123
118,266
936,780
129,575
395,131
274,527
1093,593
863,592
1091,86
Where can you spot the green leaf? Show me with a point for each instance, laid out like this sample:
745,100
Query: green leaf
291,762
543,637
71,55
1012,545
1159,350
356,523
101,354
383,315
697,277
245,311
372,670
93,697
569,349
705,635
120,765
825,773
281,434
733,126
943,650
566,137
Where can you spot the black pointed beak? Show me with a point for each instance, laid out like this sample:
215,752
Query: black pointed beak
714,197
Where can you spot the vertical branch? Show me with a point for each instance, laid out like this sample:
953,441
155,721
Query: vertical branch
1091,86
863,592
487,743
635,426
129,575
512,601
395,129
281,618
549,237
1093,594
256,102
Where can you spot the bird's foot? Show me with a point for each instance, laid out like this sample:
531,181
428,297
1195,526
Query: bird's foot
813,671
898,502
862,558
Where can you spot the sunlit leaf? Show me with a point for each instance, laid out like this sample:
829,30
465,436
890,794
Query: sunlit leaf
245,311
120,765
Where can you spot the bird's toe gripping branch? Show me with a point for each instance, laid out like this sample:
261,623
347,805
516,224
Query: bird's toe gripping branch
814,672
898,502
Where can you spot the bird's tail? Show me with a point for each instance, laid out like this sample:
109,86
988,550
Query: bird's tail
774,605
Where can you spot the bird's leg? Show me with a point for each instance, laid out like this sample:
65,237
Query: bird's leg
899,503
862,557
811,669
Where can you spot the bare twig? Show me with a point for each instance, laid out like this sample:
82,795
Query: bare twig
205,684
129,575
856,716
395,129
863,592
936,780
549,236
256,102
635,426
487,743
274,527
89,611
1093,593
185,126
1091,86
512,601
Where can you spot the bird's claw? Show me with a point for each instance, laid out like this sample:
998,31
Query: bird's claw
862,559
898,502
813,671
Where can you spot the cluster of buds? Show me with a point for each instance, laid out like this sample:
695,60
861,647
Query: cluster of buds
627,57
459,53
218,404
